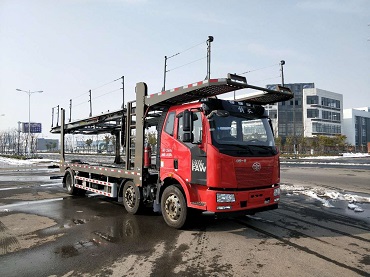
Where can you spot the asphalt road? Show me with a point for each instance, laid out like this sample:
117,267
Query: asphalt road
46,232
346,174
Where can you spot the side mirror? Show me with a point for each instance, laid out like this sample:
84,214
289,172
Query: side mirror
187,121
187,137
188,126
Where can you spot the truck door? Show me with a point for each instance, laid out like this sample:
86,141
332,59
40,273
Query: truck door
167,142
191,158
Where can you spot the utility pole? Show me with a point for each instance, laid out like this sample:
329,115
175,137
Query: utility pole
19,136
29,116
165,72
123,92
209,40
282,63
70,110
90,103
165,69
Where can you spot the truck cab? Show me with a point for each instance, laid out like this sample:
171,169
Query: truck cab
222,154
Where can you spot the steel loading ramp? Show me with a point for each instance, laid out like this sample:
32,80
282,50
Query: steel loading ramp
99,124
266,96
111,121
214,87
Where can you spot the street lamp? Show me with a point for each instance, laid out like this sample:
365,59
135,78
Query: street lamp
282,62
29,116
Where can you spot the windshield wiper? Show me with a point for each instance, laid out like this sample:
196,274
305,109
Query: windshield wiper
245,147
270,148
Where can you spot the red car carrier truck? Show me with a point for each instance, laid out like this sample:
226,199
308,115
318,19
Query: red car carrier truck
212,155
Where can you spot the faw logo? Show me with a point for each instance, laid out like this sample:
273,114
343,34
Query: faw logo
198,165
256,166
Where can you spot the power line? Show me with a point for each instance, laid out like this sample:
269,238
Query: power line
107,83
106,93
259,69
81,103
178,53
267,79
97,88
80,95
186,64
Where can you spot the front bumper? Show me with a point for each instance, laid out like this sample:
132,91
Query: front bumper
259,199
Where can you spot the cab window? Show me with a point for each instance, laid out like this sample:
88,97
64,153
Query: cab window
197,127
170,123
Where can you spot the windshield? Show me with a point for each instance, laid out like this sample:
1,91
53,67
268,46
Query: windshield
235,133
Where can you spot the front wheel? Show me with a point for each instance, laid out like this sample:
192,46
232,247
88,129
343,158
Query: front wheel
174,207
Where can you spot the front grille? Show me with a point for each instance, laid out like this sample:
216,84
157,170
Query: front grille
247,177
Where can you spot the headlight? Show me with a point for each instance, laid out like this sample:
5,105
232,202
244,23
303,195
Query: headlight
277,192
225,197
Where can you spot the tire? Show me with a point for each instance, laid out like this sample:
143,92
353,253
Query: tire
131,197
70,182
174,208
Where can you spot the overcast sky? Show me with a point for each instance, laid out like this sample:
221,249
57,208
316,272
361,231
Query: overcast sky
65,48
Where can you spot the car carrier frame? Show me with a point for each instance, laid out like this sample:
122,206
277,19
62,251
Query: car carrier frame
129,177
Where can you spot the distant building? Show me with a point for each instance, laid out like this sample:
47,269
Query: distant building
47,144
312,112
81,146
323,112
287,116
356,126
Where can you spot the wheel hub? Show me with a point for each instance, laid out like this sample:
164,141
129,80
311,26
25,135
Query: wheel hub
173,207
130,196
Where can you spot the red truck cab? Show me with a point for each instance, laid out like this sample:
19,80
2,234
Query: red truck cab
222,154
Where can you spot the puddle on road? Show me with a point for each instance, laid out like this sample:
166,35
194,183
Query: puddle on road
79,221
106,237
72,223
125,229
18,231
68,251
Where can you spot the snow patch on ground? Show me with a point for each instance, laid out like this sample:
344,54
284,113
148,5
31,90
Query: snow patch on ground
329,160
345,155
324,163
355,208
325,196
11,161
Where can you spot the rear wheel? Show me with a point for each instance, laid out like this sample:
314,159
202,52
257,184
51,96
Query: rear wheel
131,197
174,207
70,182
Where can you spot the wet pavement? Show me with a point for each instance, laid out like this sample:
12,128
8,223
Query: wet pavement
46,232
83,233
